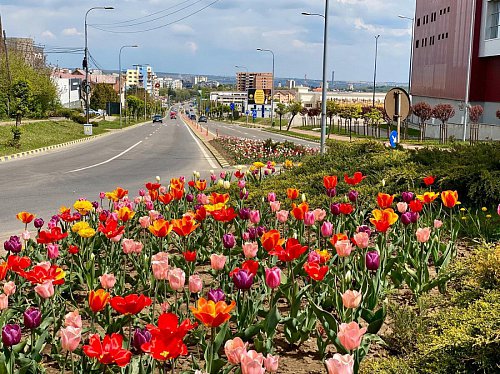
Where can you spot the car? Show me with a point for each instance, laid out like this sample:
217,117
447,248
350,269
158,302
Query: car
192,117
203,119
157,118
173,115
93,112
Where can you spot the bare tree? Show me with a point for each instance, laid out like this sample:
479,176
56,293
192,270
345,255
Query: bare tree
424,113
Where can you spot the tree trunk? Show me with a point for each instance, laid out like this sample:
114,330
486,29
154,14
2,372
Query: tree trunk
290,123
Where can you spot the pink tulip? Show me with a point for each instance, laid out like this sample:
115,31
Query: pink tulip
250,249
319,214
282,216
163,190
438,223
159,264
234,349
254,216
131,246
275,206
26,235
153,215
176,279
498,209
165,307
52,251
350,335
217,262
343,247
313,256
45,290
340,364
195,283
245,236
4,301
202,199
107,281
44,264
361,239
402,207
51,224
144,221
326,229
271,197
149,205
70,338
73,319
351,299
423,234
271,363
116,239
241,184
251,363
309,218
273,277
9,288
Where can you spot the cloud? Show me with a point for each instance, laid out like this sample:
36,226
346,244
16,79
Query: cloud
361,25
180,29
72,31
192,47
48,34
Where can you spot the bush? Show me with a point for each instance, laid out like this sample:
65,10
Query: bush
78,118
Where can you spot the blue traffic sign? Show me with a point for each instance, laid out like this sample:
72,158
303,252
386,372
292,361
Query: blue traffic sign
248,112
231,106
393,138
254,113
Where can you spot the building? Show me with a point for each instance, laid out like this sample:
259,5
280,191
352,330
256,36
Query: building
443,33
312,98
284,96
33,54
240,99
196,80
246,81
68,87
291,83
141,76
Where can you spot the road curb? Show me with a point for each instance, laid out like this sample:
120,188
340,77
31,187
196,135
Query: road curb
293,136
62,145
221,160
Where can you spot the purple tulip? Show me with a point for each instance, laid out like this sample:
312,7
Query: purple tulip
13,244
372,260
353,196
55,218
95,204
197,206
261,230
38,223
252,233
243,280
335,209
244,213
364,228
414,216
331,192
228,241
140,337
407,196
406,218
32,317
11,335
216,295
189,198
244,196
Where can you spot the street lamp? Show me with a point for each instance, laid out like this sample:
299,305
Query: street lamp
375,69
120,76
272,86
411,49
86,63
323,88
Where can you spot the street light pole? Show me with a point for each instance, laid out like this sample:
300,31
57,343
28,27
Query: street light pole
411,49
272,85
375,69
120,76
86,63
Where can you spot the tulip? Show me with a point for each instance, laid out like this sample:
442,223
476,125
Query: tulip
407,196
406,218
52,251
438,223
271,363
145,221
242,279
189,198
38,223
241,184
250,249
331,192
252,233
319,214
423,234
70,338
45,290
353,196
309,218
414,217
340,364
498,209
32,318
271,197
251,363
372,260
261,230
228,241
343,248
107,281
282,216
177,279
335,209
9,288
326,229
350,335
402,207
11,335
73,319
275,206
13,244
351,299
364,228
195,283
216,295
254,216
313,256
217,262
26,235
159,264
244,213
234,348
140,337
361,239
4,301
273,277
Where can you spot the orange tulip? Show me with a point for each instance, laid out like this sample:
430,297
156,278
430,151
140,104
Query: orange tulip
4,266
153,194
292,193
330,181
118,194
200,185
299,211
271,239
217,198
176,184
98,300
212,314
383,219
125,214
25,217
160,228
335,238
384,200
450,198
184,226
428,197
166,199
177,193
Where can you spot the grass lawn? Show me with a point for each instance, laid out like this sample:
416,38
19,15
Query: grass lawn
42,134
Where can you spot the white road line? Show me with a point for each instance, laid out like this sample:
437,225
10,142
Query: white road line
207,157
105,162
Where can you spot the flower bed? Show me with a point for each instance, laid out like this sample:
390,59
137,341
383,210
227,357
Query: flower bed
144,282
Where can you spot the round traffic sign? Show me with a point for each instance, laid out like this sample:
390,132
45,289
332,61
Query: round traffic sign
157,85
397,103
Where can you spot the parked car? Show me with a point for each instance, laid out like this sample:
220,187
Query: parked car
157,118
203,119
192,117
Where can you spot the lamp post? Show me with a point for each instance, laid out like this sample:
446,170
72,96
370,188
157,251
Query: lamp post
120,76
86,62
272,85
375,69
323,88
411,49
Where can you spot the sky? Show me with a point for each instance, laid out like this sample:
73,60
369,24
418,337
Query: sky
213,36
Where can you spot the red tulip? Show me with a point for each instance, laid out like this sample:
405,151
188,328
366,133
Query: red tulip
315,271
131,304
429,180
292,250
109,351
356,178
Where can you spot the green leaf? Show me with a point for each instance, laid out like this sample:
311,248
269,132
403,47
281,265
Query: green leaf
220,337
272,320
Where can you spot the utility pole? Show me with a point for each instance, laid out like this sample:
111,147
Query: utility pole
2,32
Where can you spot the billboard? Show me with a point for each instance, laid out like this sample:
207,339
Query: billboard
259,97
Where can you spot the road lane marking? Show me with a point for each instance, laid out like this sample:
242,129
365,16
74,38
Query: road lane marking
207,157
105,162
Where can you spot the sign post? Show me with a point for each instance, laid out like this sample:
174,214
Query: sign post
397,106
232,111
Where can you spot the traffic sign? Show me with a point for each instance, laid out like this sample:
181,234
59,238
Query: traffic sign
157,85
393,138
397,104
207,109
254,113
231,106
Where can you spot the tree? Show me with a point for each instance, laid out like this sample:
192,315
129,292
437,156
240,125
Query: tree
21,95
498,113
102,94
294,108
424,113
332,109
443,112
281,110
475,113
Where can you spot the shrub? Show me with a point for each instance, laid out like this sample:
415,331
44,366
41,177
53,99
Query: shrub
78,118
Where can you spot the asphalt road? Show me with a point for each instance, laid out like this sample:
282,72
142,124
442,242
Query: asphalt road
128,158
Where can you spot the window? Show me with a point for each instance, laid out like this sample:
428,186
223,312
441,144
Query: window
416,44
446,35
427,19
440,12
448,9
418,22
493,28
439,37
